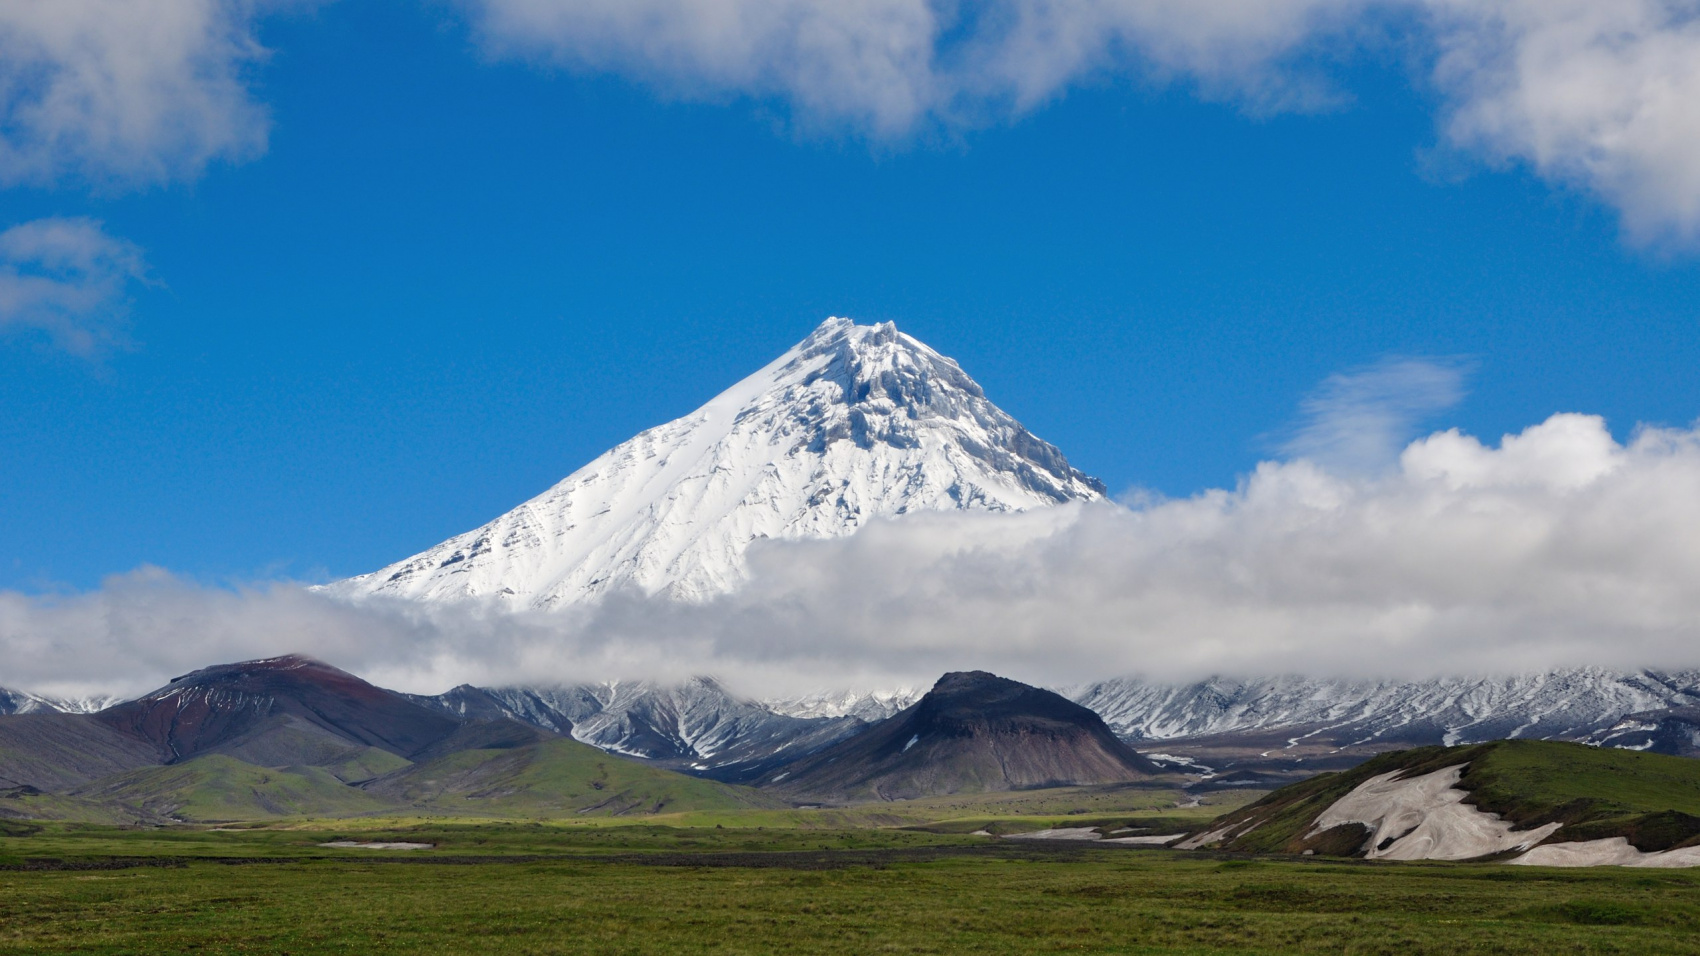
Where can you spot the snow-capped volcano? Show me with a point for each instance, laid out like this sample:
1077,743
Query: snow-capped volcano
856,422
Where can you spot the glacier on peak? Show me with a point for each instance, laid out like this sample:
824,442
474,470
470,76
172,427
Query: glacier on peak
853,423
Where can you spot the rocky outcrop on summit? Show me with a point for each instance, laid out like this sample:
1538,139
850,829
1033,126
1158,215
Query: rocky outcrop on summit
973,732
854,423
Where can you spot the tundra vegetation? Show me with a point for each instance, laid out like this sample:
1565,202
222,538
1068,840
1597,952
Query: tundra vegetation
764,881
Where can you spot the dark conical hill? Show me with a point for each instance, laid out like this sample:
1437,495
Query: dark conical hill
973,732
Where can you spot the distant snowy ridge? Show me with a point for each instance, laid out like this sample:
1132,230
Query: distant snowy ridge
696,724
866,705
855,422
21,702
1566,704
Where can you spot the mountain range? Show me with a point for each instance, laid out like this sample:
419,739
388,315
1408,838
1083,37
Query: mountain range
856,423
1252,731
292,736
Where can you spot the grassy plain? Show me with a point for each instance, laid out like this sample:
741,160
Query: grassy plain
504,887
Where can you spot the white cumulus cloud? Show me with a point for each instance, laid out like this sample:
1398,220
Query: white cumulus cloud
126,92
69,279
1602,95
1558,546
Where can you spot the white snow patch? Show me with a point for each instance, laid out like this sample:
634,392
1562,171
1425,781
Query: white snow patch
911,743
1091,834
351,845
1614,851
1426,819
1218,836
1060,833
1150,839
1205,839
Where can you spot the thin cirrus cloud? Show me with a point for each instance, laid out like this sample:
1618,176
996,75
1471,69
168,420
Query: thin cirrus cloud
1599,96
69,280
1358,421
1559,546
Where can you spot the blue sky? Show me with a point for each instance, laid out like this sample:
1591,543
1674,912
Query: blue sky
453,275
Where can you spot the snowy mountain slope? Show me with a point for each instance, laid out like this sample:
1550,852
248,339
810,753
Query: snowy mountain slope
870,706
855,422
19,702
696,724
1560,704
22,702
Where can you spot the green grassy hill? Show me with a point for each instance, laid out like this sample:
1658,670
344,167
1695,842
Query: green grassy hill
291,742
1652,799
220,788
554,777
56,752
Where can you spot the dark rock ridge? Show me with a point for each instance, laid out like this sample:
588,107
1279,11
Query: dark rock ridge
973,732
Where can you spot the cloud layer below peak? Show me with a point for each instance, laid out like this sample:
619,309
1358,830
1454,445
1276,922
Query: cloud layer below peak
1558,547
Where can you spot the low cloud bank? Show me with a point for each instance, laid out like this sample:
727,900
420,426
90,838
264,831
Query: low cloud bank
1557,547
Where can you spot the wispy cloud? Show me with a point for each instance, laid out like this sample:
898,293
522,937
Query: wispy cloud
126,92
1559,546
69,279
1596,95
1357,422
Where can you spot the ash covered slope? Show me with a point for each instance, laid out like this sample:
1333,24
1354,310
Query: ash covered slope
855,422
973,732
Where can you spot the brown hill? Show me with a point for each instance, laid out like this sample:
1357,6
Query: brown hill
241,703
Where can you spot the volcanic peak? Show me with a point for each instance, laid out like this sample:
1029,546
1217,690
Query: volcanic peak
853,423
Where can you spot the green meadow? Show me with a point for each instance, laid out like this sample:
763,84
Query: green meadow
649,887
